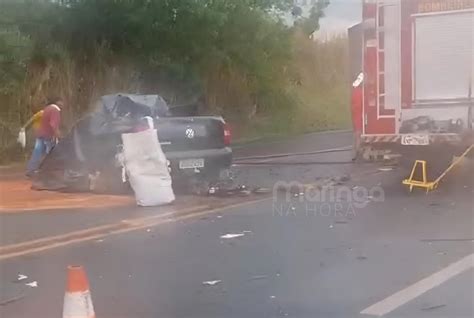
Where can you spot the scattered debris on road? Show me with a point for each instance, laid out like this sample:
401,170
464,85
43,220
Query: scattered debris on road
229,190
231,236
433,307
212,282
32,284
258,277
21,277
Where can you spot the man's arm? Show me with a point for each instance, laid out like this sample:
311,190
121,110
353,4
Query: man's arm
54,122
32,119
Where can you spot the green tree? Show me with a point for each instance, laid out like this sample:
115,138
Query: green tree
236,55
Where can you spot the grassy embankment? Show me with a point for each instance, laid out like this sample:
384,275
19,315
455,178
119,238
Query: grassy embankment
319,91
321,94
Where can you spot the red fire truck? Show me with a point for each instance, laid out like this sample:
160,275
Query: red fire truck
417,59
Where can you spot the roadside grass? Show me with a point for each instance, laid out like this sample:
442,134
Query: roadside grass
322,115
321,91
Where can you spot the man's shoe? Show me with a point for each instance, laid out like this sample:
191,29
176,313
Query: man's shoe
30,174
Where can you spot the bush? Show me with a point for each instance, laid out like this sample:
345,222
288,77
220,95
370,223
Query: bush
232,57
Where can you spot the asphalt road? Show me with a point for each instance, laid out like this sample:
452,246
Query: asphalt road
20,227
304,143
379,250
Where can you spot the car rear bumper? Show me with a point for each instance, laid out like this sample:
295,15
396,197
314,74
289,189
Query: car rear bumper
215,160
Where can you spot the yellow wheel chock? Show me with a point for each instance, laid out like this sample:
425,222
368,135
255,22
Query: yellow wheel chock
424,183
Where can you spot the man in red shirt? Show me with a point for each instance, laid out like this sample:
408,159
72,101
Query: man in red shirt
357,115
46,134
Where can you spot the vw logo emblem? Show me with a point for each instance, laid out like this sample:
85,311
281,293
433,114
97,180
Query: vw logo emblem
189,133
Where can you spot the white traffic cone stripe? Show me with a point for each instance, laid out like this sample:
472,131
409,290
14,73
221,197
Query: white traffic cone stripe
78,305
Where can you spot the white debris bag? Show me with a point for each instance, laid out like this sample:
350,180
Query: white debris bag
22,138
147,168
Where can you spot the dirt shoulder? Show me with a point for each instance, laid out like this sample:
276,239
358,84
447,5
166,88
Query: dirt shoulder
16,195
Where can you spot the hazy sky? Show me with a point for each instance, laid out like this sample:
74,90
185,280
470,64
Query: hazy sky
340,15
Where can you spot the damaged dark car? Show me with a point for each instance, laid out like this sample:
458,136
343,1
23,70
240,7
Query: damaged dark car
197,148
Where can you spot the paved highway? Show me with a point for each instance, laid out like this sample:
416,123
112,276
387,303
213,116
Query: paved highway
368,249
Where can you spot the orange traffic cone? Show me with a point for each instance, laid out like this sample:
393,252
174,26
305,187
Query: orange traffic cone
77,300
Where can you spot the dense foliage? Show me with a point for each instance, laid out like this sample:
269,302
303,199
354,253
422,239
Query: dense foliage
236,57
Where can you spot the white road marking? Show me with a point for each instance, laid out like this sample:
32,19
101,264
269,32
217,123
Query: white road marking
405,295
100,232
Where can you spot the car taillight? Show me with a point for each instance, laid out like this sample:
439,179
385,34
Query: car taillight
227,135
